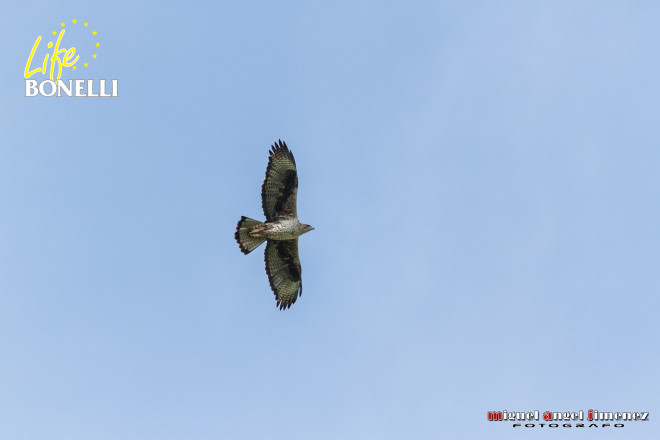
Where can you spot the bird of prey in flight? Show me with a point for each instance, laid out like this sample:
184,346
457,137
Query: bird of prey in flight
281,228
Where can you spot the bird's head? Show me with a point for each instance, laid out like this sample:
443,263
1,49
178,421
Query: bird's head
306,228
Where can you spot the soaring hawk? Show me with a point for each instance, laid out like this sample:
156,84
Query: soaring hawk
281,228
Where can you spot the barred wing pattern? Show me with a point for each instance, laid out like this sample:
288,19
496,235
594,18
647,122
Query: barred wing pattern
284,271
280,188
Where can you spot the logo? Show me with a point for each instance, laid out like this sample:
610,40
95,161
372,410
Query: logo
592,418
53,59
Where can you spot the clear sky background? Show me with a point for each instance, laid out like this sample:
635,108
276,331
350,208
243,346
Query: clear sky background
482,177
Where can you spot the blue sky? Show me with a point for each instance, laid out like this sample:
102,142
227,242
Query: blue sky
482,177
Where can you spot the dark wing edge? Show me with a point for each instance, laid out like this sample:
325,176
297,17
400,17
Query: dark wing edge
284,271
280,187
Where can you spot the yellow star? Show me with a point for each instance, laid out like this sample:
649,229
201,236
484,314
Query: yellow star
74,21
74,67
85,24
54,32
94,56
98,44
62,24
85,64
94,33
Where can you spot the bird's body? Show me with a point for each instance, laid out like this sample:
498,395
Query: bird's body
285,229
281,228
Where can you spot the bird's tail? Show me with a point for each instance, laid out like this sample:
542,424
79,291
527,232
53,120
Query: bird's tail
246,242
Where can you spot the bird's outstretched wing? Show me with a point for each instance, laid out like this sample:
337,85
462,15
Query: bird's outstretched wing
280,188
283,269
